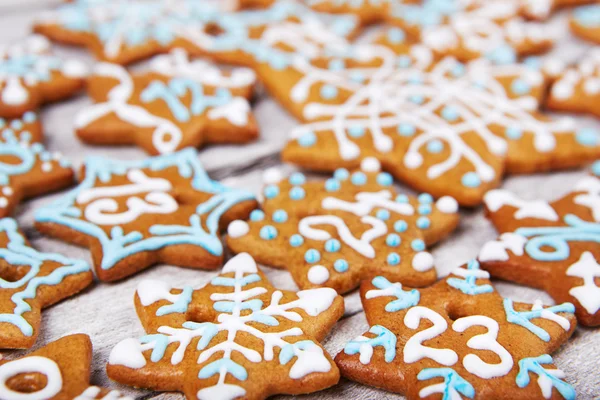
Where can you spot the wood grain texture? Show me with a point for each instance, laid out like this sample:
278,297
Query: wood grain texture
106,312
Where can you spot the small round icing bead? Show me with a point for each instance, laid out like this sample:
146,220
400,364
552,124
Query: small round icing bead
449,113
417,245
435,146
400,226
502,55
238,228
520,87
340,265
417,99
328,92
402,198
587,137
341,174
471,179
425,198
272,176
382,214
356,131
29,117
356,76
2,123
268,232
396,35
596,168
297,178
393,259
308,139
336,65
332,185
458,70
447,205
406,129
404,61
422,261
280,216
424,209
423,223
318,274
514,133
370,164
358,178
332,245
16,124
385,179
297,193
271,191
296,240
312,256
393,240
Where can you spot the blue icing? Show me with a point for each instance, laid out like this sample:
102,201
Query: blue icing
385,338
341,174
308,139
223,364
257,215
280,216
400,226
385,179
588,16
393,259
328,92
117,245
520,87
435,146
454,385
312,256
340,265
336,65
358,178
596,168
383,214
297,178
449,113
393,240
523,318
296,240
332,185
271,191
396,35
332,246
514,133
405,299
425,209
587,137
180,306
402,198
534,365
469,285
297,193
18,253
230,306
502,55
268,232
471,180
417,245
423,223
231,282
356,131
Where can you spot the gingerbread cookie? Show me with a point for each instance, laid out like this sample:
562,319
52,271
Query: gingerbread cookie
585,22
458,339
30,281
133,214
550,246
577,89
181,103
27,169
30,76
368,11
57,371
350,227
445,127
124,32
236,337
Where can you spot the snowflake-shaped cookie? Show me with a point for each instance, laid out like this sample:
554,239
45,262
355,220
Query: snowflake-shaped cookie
27,169
133,214
350,227
585,22
551,246
458,339
59,370
180,103
29,281
31,76
444,127
236,337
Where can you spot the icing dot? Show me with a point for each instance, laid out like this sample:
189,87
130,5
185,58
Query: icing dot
449,113
424,209
46,167
423,223
297,178
297,193
2,123
587,137
332,185
271,191
400,226
272,176
385,179
7,191
357,77
340,265
471,179
393,259
328,92
16,124
402,198
37,148
383,215
458,70
318,274
29,117
341,174
370,164
520,87
435,146
356,131
393,240
268,232
425,198
422,261
238,229
280,216
406,129
332,245
396,35
296,240
308,139
336,65
514,133
257,215
417,99
312,256
404,61
3,202
447,205
596,168
418,245
358,178
502,55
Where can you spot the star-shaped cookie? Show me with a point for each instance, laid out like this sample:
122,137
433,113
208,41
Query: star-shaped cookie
444,127
355,225
27,169
551,246
133,214
58,371
30,281
236,337
179,103
30,76
458,339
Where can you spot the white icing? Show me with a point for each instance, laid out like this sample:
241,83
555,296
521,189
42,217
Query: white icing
550,315
223,391
447,205
496,250
272,176
367,202
467,273
414,350
238,228
588,294
150,291
422,261
129,353
370,164
591,198
237,111
318,274
496,199
92,393
33,364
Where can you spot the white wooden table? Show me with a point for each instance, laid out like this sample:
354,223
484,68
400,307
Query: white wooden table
106,312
